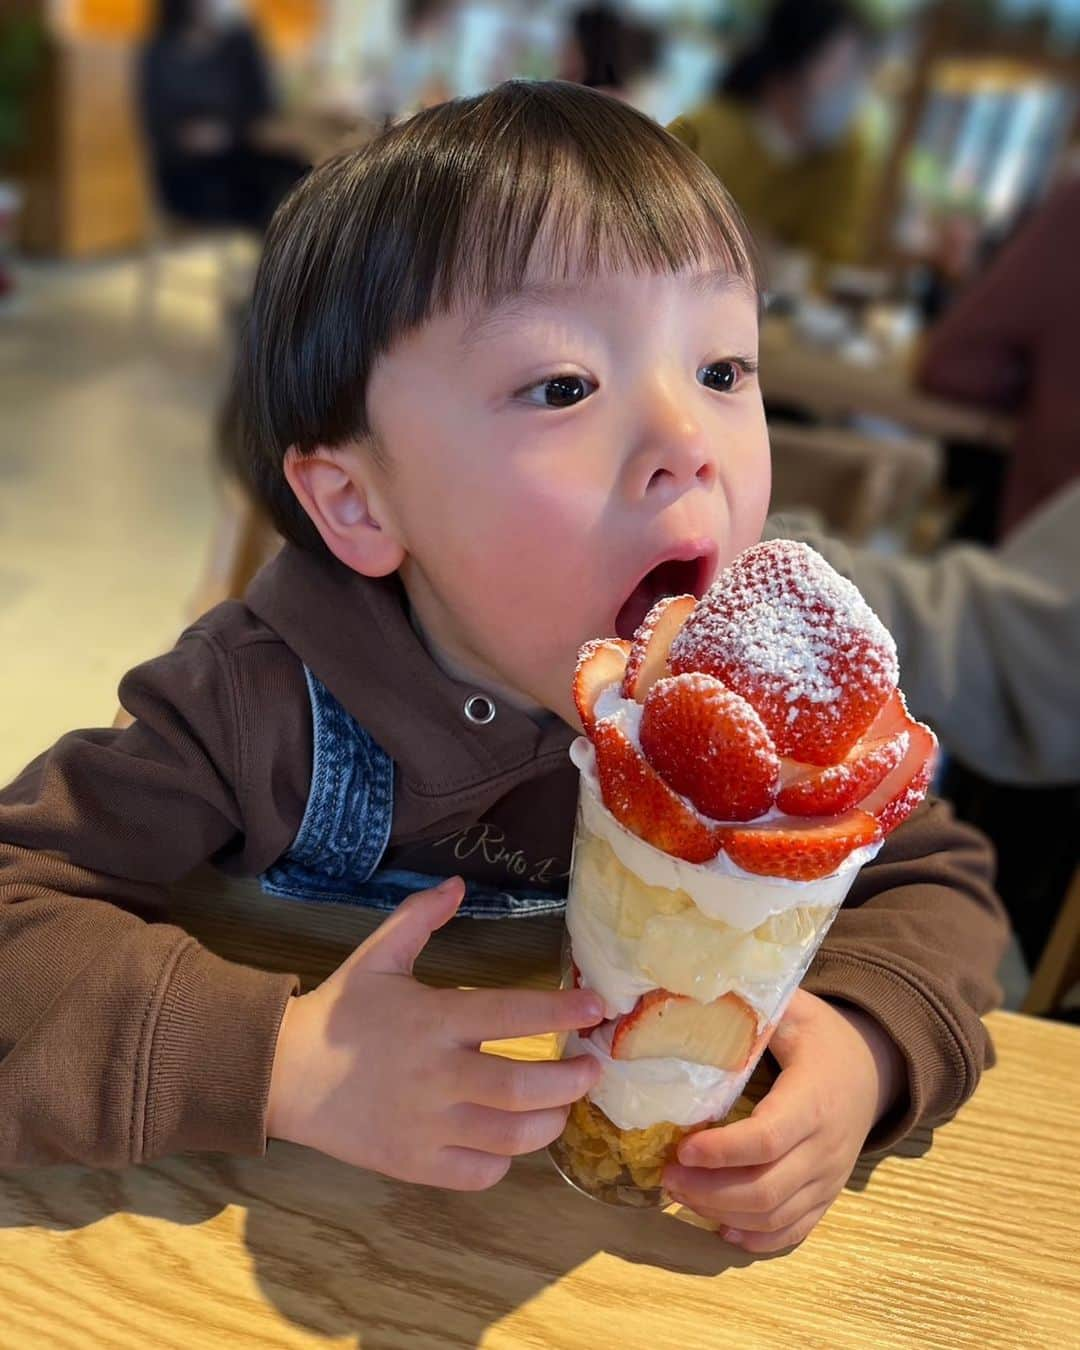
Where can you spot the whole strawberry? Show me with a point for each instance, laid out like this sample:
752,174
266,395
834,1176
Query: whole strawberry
799,643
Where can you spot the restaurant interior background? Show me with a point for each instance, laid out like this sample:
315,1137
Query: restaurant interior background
121,293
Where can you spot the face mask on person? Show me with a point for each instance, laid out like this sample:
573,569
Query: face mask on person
222,13
831,112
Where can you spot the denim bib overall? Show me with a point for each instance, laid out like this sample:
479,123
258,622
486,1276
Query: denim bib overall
346,827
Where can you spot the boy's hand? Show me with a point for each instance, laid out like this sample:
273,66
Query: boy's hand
766,1180
384,1072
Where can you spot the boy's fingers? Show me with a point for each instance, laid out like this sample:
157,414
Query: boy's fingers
792,1206
776,1220
778,1241
507,1133
741,1190
526,1085
495,1014
469,1169
779,1122
394,946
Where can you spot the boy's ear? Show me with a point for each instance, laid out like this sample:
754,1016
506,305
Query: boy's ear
334,487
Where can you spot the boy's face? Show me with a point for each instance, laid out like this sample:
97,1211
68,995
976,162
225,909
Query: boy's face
559,462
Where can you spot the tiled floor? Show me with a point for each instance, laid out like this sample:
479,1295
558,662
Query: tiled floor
107,496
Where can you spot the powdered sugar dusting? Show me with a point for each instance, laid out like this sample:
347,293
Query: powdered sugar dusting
794,637
781,610
659,610
648,654
709,744
590,648
705,690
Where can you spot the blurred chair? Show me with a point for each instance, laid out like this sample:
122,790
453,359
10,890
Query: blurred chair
244,539
167,263
857,483
1059,966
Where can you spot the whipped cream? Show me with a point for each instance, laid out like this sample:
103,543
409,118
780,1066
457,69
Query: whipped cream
744,905
611,965
636,1093
608,962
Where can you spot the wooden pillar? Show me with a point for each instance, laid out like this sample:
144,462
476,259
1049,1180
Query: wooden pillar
83,171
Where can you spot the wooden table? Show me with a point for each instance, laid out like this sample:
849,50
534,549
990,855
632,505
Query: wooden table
966,1240
795,371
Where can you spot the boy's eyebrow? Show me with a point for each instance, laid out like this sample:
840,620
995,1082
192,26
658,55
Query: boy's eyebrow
717,280
543,294
512,304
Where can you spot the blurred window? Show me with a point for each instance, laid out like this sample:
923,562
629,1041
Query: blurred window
990,134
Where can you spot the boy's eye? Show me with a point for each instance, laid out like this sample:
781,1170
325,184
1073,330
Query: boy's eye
719,375
561,391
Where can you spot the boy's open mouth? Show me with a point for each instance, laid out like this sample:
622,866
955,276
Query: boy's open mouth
673,576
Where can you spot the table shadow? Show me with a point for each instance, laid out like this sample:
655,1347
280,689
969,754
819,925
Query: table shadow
916,1145
442,1267
338,1251
182,1190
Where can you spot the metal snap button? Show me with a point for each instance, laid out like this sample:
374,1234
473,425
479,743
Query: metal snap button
479,709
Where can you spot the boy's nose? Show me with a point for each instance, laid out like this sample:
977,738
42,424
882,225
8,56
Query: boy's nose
672,454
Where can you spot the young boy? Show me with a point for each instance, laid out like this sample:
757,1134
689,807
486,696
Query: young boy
499,385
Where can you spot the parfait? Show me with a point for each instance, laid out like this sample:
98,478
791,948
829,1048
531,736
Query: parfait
744,757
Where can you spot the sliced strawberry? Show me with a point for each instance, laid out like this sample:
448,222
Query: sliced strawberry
831,791
901,791
663,1025
897,809
799,643
709,744
640,800
600,662
652,642
800,849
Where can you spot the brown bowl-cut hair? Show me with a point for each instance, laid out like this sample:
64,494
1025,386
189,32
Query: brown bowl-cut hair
445,209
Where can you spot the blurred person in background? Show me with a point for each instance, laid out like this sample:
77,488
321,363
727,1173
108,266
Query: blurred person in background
421,74
205,86
608,51
989,639
1010,342
989,642
781,132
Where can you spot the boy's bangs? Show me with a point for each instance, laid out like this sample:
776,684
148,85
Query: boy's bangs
564,205
580,227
